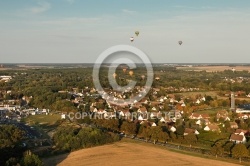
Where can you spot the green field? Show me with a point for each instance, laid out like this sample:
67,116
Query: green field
202,93
42,119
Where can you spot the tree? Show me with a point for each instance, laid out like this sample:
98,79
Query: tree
145,132
112,124
217,149
208,99
179,122
31,159
128,128
240,151
180,130
172,136
228,146
155,133
71,138
12,161
243,125
190,138
64,106
10,135
163,136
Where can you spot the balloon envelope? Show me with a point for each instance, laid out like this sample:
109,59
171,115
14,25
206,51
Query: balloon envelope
137,33
131,72
132,39
180,42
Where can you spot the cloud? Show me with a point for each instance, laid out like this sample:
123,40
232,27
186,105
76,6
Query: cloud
42,7
128,11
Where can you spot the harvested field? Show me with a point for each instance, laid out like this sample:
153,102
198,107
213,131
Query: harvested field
129,153
215,68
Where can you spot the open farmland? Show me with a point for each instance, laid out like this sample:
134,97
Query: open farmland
129,153
214,68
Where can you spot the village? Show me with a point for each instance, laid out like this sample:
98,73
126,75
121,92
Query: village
164,110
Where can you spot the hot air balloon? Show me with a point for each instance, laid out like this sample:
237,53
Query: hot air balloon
180,42
143,77
137,33
114,75
132,39
131,72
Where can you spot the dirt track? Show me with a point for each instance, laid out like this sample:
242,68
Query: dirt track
126,153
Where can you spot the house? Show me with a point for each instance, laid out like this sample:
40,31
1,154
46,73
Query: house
161,106
173,129
173,101
142,117
198,122
146,123
212,127
243,116
154,115
144,101
238,138
44,111
164,119
176,113
109,115
173,119
199,116
248,95
153,124
206,121
198,101
142,110
5,78
124,112
205,116
233,125
33,112
161,100
10,107
63,116
93,109
203,98
195,116
202,121
183,105
101,111
154,109
222,114
190,131
240,132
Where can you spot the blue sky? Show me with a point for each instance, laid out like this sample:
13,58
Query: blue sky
70,31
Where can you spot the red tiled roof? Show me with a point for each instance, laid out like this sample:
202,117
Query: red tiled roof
235,137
